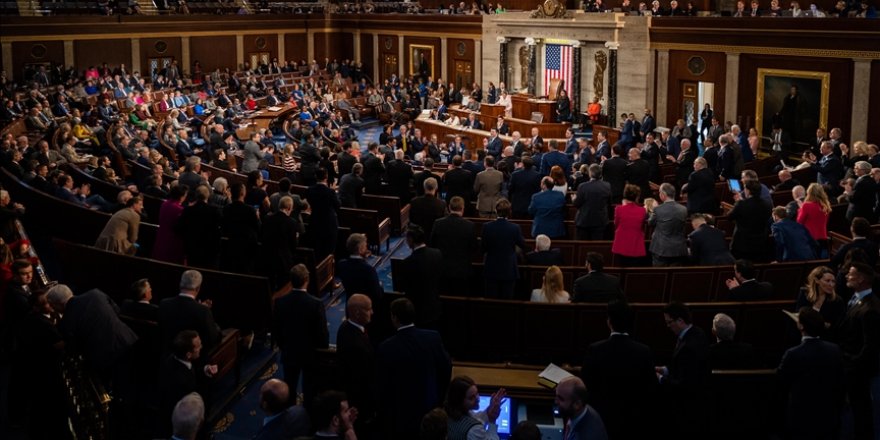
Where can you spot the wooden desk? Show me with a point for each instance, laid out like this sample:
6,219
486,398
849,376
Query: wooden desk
520,381
524,105
473,139
492,110
613,134
263,118
523,126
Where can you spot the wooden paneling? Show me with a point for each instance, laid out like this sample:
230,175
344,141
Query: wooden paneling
162,48
295,47
459,51
422,41
213,52
874,105
840,93
261,43
368,58
716,70
97,52
334,45
27,52
509,5
388,48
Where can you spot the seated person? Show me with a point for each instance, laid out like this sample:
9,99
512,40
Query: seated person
744,286
552,290
725,353
543,255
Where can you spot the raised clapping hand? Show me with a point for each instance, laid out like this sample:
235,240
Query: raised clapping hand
210,370
494,409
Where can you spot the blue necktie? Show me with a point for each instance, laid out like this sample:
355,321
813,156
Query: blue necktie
852,301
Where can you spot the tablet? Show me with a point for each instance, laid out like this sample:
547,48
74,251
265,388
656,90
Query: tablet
734,185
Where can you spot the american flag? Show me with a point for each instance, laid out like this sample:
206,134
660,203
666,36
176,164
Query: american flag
557,64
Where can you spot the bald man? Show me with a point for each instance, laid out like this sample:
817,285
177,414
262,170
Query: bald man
282,420
582,422
356,357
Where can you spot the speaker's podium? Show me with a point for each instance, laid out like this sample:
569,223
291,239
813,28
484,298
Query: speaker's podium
526,399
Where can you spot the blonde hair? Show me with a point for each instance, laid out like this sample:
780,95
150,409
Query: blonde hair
815,193
860,148
553,284
813,284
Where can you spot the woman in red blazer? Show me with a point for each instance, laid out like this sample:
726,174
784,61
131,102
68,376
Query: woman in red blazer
629,229
814,214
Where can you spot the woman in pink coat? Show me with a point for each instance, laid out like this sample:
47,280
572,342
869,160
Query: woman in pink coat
629,229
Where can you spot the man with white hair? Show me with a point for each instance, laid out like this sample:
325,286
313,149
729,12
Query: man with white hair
862,196
185,312
188,416
726,354
543,255
798,194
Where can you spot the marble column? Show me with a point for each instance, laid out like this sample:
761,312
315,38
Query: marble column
731,88
282,51
861,90
239,49
377,59
401,61
612,82
136,56
69,57
533,65
478,61
6,48
576,79
502,60
185,57
662,86
444,52
310,46
356,37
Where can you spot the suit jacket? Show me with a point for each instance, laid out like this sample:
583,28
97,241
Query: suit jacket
200,228
324,204
709,248
793,241
685,166
589,427
863,199
751,290
182,312
351,187
422,283
494,147
614,172
549,257
596,287
92,325
488,188
458,182
500,239
750,234
813,374
357,367
455,238
345,161
358,276
621,386
139,310
524,183
555,158
638,174
626,134
420,178
547,209
830,170
400,176
414,370
866,244
730,355
292,423
701,192
592,200
859,337
424,210
668,220
299,327
175,381
120,233
374,169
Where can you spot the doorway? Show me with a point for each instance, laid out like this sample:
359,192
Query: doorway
695,96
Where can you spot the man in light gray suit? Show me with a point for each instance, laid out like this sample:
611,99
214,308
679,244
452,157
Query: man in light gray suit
487,185
668,244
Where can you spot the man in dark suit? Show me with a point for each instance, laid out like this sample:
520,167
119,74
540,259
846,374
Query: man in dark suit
727,354
414,370
686,377
716,130
458,181
537,140
422,281
428,207
455,238
752,217
619,374
356,274
863,195
684,162
351,187
493,148
524,183
744,287
279,240
138,306
638,172
860,229
614,172
300,327
829,167
400,176
324,223
700,189
859,338
572,145
374,170
707,244
348,157
728,165
786,182
582,422
596,286
420,177
184,312
812,373
181,373
792,239
17,300
200,229
592,200
499,243
626,133
543,255
357,359
547,210
555,157
282,421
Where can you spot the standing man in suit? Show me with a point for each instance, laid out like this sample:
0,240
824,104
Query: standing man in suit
812,373
494,147
323,224
455,238
200,229
524,183
751,215
707,244
684,162
357,359
282,420
184,312
458,181
685,379
499,243
592,201
860,230
351,187
536,139
400,175
543,255
300,328
668,245
487,186
793,240
414,370
427,208
638,172
700,188
614,172
603,148
648,124
863,195
356,274
555,157
619,374
348,157
859,338
715,130
374,169
547,210
744,287
181,373
829,167
626,132
597,286
571,144
582,422
422,281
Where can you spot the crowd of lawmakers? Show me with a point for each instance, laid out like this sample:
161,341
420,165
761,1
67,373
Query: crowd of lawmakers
392,387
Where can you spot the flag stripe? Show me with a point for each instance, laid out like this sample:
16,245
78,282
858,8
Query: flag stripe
558,64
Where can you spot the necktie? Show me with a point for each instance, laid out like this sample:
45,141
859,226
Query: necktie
852,301
567,431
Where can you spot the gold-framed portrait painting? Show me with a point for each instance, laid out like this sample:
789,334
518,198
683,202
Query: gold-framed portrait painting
421,60
794,100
